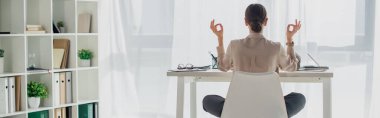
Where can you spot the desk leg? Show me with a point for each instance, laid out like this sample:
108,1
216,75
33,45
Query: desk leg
193,99
180,96
327,107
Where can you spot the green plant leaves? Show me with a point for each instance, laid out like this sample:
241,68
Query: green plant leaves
85,54
37,89
60,24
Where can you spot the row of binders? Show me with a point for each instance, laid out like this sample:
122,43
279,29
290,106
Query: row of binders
89,110
10,94
62,88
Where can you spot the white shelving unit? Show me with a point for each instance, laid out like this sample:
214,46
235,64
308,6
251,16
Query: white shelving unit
19,46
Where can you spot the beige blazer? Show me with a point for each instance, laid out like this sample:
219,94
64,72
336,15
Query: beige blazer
256,54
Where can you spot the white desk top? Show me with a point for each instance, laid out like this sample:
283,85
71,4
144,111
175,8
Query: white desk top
217,73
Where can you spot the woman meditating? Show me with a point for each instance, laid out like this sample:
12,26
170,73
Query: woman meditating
256,54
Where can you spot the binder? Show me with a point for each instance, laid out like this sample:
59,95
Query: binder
11,95
63,44
96,115
68,87
86,111
90,110
62,88
56,98
68,112
58,113
39,114
18,93
58,57
84,23
63,112
3,95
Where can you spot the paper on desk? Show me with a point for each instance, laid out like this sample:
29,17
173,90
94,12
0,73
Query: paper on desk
187,70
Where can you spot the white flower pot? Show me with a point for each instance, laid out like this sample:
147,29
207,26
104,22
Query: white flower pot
1,64
85,63
62,29
34,102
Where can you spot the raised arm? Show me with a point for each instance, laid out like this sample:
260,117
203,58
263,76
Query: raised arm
224,59
218,33
287,59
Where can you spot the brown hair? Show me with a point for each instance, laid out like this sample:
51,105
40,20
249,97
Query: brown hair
255,15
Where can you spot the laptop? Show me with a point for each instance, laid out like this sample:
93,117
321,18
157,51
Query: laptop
312,67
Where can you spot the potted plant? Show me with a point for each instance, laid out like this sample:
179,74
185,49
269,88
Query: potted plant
61,26
1,61
36,91
85,57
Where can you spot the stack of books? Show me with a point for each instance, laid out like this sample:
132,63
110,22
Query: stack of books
62,88
35,29
61,53
10,94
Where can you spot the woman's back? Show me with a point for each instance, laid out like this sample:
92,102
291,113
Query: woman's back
256,54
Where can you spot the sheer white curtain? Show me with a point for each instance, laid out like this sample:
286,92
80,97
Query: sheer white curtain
335,32
375,107
118,97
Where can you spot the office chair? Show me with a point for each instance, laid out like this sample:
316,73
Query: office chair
254,95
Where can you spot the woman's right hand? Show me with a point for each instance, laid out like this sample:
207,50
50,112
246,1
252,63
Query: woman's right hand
214,28
290,32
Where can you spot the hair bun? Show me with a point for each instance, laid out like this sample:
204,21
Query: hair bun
256,26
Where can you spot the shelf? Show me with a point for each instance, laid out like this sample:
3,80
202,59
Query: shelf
89,7
12,16
64,34
11,35
87,68
44,108
46,34
23,49
90,43
72,51
40,52
86,91
66,105
14,54
87,34
11,74
39,109
87,0
47,80
64,11
39,13
63,70
13,114
87,101
53,71
37,72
